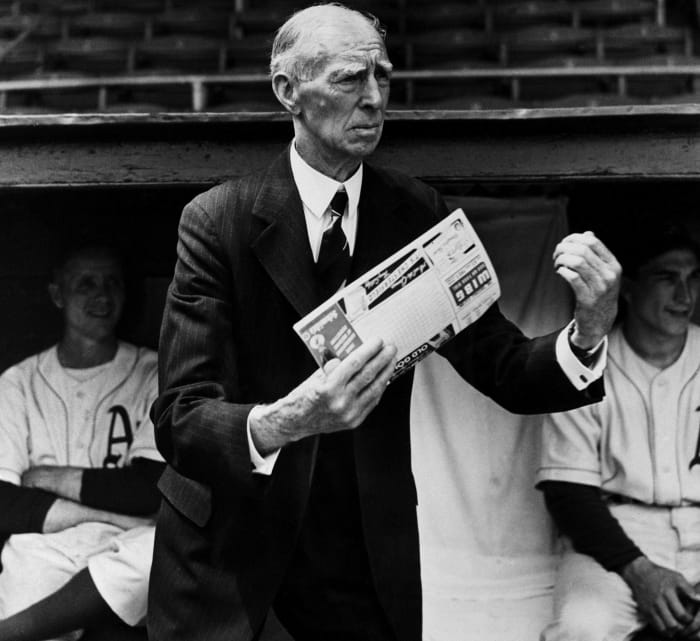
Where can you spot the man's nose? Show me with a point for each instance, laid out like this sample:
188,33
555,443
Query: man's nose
104,290
683,293
372,93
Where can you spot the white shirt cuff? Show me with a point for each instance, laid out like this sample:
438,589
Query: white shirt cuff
261,464
580,375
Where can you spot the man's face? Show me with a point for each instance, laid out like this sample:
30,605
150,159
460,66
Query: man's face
342,107
662,298
90,293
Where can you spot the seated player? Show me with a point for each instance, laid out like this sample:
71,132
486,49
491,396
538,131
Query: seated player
622,478
78,463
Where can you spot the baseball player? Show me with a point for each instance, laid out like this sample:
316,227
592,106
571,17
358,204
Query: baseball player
621,478
78,462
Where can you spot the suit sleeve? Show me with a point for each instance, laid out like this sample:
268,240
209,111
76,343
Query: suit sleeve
520,374
199,422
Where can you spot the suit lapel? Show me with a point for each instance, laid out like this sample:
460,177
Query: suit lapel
279,238
383,227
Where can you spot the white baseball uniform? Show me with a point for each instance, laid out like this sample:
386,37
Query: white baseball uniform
96,417
640,443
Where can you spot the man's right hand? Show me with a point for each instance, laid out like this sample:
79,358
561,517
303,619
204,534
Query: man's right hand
335,398
663,596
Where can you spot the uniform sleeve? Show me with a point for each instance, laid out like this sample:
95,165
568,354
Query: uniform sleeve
581,514
131,489
570,447
14,429
22,509
144,443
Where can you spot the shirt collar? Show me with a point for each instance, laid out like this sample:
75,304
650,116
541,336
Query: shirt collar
317,190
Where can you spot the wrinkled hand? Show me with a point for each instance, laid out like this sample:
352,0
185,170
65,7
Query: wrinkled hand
337,397
663,596
692,630
594,275
62,480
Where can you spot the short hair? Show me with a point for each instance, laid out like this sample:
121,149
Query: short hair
69,251
653,236
298,54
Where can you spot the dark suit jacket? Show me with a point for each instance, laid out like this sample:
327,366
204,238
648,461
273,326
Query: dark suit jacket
244,275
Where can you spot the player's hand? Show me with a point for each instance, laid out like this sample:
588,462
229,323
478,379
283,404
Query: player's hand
692,630
663,596
594,276
337,397
62,480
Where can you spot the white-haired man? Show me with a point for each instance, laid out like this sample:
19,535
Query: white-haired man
290,487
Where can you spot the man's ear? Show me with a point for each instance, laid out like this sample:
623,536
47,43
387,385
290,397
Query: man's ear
56,295
285,89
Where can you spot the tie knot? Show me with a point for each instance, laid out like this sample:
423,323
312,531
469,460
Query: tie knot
339,202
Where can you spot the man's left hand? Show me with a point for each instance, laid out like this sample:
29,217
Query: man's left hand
62,480
594,275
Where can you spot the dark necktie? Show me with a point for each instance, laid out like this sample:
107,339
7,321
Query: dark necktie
334,255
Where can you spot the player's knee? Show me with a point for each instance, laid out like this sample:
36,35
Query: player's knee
581,621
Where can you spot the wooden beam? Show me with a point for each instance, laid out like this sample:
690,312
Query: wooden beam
627,143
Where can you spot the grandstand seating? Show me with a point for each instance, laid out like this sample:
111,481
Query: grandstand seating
488,52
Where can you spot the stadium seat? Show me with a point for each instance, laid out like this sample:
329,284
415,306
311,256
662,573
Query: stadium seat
644,39
249,54
659,86
607,12
43,28
521,45
431,91
550,88
678,99
212,5
444,15
257,21
449,46
66,7
172,97
24,58
90,55
474,102
127,26
187,54
534,12
199,21
245,103
64,100
129,6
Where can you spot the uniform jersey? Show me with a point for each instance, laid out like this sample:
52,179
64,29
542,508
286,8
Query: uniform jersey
642,441
96,417
84,418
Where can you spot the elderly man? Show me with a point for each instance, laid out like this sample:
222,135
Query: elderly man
290,487
622,477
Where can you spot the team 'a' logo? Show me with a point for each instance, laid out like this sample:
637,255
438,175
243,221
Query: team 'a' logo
696,458
121,436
